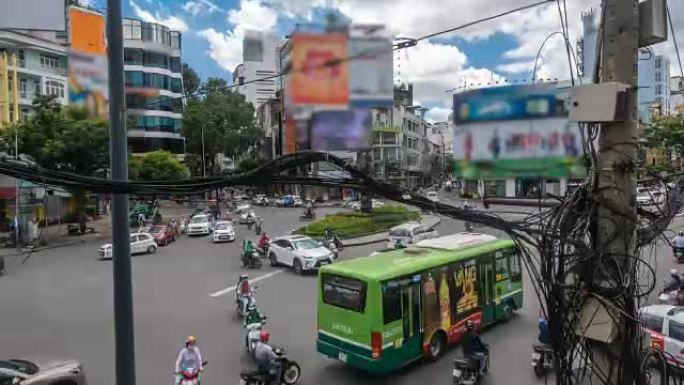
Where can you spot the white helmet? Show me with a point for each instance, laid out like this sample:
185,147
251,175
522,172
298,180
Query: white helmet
673,272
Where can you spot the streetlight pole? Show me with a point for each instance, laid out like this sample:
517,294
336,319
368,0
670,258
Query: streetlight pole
204,168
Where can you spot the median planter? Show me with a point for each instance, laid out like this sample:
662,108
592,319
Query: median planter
352,225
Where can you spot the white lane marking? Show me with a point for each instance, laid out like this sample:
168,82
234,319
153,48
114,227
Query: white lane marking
227,290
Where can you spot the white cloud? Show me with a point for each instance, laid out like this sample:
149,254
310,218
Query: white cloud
174,23
516,67
437,114
200,7
226,47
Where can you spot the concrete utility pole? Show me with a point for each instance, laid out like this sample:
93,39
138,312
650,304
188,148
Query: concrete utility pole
617,164
121,247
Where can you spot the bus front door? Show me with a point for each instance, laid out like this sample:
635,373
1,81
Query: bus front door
487,290
412,328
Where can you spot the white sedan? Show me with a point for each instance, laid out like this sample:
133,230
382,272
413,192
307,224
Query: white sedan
300,252
244,206
201,224
244,216
140,243
224,231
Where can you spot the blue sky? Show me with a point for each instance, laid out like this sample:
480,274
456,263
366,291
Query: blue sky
504,48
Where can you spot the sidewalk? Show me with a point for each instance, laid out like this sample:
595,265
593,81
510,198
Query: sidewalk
430,220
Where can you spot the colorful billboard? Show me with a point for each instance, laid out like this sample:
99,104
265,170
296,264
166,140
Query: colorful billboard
371,72
314,80
88,69
515,131
343,130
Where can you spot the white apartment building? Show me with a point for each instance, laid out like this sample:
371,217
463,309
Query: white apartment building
262,64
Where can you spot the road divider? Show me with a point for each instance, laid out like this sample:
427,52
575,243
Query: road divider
227,290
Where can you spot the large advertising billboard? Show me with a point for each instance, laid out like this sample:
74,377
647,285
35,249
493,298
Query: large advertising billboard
88,70
33,14
371,82
320,71
341,130
515,131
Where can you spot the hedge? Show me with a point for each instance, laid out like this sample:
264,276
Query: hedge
349,225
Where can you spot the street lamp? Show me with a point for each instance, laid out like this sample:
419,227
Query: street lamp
204,168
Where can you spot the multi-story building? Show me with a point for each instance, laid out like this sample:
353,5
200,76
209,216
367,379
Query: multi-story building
654,85
586,46
677,95
154,87
257,64
41,69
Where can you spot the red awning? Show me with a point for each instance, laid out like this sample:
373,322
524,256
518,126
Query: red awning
7,192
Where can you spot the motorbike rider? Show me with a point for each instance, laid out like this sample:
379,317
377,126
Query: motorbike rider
253,316
243,290
674,283
189,357
544,335
678,242
247,248
266,358
264,241
308,210
473,347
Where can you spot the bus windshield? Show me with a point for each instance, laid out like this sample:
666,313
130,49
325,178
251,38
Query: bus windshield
347,293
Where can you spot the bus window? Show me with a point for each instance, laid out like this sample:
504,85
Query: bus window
514,259
391,302
501,267
343,292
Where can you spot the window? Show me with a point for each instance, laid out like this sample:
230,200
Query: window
389,138
391,302
21,58
133,56
658,63
175,40
514,261
54,88
49,61
658,76
175,65
134,238
501,268
283,243
132,29
176,85
153,59
659,89
652,322
376,138
676,330
347,293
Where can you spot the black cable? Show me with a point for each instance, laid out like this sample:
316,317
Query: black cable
674,40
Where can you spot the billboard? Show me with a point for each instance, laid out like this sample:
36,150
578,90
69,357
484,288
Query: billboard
88,69
371,72
46,15
341,130
515,131
253,46
313,81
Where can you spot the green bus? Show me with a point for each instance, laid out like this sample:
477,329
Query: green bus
381,312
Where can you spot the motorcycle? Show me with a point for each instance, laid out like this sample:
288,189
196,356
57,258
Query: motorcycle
332,246
289,375
678,253
257,228
190,376
253,333
330,236
263,251
467,370
542,358
310,216
251,261
242,303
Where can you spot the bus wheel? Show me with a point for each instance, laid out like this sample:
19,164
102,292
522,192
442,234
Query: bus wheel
436,348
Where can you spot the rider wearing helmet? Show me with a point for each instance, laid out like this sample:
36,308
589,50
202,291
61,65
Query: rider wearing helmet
243,290
264,240
473,347
253,316
189,357
675,282
266,358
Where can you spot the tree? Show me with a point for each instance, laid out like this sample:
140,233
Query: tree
227,120
157,165
191,81
61,138
666,133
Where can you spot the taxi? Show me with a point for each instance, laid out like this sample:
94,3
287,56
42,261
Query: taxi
665,325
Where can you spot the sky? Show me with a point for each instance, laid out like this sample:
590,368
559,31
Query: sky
490,52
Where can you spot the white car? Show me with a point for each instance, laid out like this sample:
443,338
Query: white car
300,252
297,202
245,215
224,231
356,206
201,224
665,326
432,195
140,243
244,206
409,233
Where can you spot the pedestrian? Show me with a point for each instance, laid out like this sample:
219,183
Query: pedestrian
33,231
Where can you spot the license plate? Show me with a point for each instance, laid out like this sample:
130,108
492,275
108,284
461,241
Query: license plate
457,373
342,357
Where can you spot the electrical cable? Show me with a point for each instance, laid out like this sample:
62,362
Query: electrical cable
674,40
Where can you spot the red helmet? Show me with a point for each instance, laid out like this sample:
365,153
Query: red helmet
264,336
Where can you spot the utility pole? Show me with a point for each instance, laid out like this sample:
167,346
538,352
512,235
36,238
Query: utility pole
121,248
617,164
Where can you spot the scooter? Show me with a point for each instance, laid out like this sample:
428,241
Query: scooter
330,245
542,359
290,372
190,376
253,333
251,261
467,370
263,251
308,216
330,236
242,303
257,228
678,253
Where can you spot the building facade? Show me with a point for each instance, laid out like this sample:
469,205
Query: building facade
586,46
654,86
258,64
154,87
38,60
677,95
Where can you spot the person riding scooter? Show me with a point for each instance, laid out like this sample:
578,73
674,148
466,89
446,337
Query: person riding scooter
473,347
266,358
243,290
678,243
253,316
674,283
189,357
264,243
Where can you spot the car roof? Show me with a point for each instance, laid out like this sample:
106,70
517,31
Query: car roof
658,309
296,237
222,222
406,226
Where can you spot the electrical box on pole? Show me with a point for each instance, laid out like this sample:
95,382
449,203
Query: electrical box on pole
652,22
599,103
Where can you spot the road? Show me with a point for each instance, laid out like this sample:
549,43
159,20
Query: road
59,305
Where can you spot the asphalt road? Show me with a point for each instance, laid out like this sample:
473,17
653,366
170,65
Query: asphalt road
59,305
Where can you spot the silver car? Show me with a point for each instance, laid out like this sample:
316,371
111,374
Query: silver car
14,372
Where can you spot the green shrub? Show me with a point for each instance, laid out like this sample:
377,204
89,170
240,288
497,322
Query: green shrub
347,225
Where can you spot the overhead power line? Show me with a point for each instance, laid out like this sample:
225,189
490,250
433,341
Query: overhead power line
674,40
